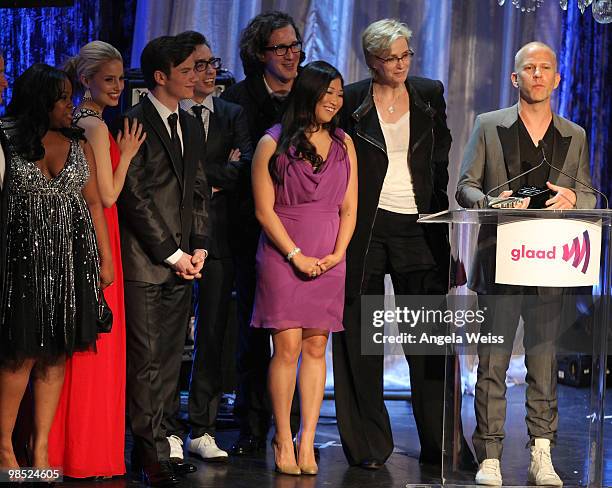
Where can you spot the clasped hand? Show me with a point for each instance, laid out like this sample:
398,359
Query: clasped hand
190,266
313,267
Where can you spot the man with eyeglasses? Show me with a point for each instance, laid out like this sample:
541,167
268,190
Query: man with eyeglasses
271,51
228,155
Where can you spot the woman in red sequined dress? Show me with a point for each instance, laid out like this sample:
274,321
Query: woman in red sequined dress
88,433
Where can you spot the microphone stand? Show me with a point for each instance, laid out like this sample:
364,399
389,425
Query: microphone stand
514,179
542,145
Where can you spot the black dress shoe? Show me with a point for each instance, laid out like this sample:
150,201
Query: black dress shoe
433,460
248,445
467,461
181,467
372,464
160,475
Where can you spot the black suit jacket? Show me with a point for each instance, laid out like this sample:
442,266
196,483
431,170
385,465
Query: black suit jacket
430,142
262,112
161,210
227,129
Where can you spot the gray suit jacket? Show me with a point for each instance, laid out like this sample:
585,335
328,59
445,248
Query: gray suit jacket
492,156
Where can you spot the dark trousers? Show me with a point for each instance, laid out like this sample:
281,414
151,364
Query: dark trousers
156,320
205,386
252,405
541,326
397,247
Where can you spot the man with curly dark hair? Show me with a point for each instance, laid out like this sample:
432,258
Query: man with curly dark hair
271,51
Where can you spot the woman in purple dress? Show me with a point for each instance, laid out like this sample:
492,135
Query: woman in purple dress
305,189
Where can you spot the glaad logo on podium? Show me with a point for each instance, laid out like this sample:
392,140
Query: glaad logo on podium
578,252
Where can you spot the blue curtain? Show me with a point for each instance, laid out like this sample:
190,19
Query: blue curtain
585,95
45,35
52,34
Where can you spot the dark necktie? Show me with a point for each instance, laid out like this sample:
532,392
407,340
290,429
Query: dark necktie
176,142
278,101
198,112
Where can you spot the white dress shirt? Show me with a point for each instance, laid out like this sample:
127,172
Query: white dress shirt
187,104
164,112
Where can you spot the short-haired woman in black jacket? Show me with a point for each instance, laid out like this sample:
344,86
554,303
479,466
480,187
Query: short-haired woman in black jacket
398,124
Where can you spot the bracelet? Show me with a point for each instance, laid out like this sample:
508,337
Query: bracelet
293,252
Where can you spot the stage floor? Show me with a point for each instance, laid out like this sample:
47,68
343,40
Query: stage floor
403,467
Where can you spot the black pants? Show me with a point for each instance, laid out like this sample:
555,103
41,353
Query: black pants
397,247
252,406
156,321
205,387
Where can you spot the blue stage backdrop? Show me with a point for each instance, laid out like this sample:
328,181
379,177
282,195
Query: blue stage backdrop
586,90
50,35
468,44
452,42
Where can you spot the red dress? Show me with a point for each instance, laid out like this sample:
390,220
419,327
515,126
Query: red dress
88,433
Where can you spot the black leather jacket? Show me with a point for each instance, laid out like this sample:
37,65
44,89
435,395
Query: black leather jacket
430,142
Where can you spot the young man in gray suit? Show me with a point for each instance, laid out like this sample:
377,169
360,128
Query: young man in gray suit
503,145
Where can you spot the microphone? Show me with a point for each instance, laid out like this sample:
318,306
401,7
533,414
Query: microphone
543,146
520,175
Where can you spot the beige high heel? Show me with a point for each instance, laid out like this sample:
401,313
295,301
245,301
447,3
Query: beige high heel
290,469
310,469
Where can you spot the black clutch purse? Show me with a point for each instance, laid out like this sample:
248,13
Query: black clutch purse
105,315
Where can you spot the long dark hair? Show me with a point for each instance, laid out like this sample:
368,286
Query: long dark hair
34,95
309,87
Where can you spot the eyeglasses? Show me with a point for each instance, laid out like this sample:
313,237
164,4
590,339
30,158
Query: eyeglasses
281,49
397,59
203,65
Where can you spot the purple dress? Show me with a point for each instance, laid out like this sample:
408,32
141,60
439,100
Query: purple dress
308,205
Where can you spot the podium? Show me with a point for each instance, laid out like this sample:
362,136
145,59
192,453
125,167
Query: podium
494,252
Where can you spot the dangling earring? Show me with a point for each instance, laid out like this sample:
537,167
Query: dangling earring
86,96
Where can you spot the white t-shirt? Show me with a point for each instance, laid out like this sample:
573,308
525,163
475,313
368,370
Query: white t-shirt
397,194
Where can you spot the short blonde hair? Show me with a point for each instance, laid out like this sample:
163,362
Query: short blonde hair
377,38
89,60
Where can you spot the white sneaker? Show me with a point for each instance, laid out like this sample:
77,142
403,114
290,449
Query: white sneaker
206,448
541,471
176,447
489,473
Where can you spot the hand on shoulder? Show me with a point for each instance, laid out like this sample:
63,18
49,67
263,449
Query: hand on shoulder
131,138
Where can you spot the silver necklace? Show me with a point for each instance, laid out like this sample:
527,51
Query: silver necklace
390,108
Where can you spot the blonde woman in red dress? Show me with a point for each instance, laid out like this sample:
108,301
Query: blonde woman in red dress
88,434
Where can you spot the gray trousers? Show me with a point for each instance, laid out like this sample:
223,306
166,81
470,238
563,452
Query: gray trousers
541,317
